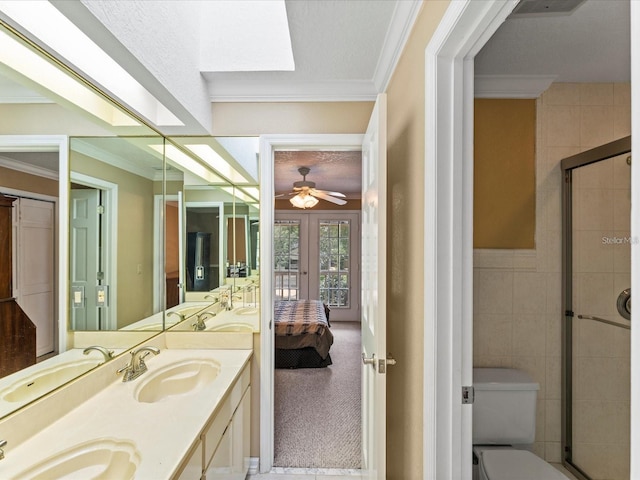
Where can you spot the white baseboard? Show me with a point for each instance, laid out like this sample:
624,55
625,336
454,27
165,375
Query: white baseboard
254,465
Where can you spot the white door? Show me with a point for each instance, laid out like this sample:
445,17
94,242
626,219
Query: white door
84,255
35,272
374,322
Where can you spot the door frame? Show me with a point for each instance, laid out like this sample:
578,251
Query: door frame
448,307
110,226
59,143
268,145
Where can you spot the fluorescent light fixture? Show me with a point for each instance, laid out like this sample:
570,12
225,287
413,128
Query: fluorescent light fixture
183,160
213,158
253,191
35,69
252,35
239,194
50,26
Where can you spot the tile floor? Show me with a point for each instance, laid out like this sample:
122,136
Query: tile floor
279,473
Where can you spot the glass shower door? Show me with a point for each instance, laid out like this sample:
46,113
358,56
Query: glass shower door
597,414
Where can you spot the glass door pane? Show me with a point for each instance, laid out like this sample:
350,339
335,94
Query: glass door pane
335,257
600,360
286,239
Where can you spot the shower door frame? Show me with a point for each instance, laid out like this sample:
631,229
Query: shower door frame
594,155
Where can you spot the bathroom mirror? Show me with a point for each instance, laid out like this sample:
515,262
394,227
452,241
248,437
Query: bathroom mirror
211,219
34,161
115,233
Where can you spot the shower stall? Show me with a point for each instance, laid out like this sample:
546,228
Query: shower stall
597,311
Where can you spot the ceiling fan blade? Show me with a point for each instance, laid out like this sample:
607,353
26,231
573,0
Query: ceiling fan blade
285,194
333,194
328,198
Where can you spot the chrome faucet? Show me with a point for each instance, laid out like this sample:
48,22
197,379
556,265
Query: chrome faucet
226,300
108,354
211,297
200,318
178,314
136,366
3,443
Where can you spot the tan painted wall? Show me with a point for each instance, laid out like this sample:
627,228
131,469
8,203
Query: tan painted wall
504,195
45,119
250,119
405,278
135,236
28,183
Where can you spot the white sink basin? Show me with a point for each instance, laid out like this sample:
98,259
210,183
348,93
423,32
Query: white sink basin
231,327
181,378
36,385
246,311
100,459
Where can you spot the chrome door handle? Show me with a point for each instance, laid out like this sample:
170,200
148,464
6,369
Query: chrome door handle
369,361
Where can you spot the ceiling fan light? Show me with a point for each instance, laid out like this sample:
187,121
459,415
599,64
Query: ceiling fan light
306,201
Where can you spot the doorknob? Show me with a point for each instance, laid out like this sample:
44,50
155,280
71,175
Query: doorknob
369,361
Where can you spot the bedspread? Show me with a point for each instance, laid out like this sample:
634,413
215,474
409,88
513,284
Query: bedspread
301,324
300,318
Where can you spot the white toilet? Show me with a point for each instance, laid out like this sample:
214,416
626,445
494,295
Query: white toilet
504,425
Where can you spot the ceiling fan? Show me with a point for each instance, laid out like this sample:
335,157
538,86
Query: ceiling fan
305,193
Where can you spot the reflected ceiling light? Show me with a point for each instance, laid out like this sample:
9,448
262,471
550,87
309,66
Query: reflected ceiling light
188,163
239,194
18,58
215,160
253,191
304,201
52,28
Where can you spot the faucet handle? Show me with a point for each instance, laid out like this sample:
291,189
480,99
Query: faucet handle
3,443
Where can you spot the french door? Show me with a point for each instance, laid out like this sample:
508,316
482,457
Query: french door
316,257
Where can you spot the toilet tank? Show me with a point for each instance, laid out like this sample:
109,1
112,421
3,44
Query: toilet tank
504,407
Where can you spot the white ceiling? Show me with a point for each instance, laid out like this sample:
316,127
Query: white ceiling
590,45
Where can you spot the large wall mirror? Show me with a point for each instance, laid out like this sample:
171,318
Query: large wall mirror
209,213
103,211
45,129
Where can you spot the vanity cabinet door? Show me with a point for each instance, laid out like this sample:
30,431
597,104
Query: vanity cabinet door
240,437
193,467
221,463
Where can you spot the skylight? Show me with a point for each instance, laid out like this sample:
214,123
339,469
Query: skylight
252,35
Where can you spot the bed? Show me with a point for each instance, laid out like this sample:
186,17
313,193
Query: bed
302,334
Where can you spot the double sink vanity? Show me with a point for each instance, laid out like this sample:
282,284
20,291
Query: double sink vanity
177,407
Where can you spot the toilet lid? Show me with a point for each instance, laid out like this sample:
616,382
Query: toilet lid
517,464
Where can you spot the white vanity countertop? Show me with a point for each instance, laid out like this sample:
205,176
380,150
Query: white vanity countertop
72,357
163,432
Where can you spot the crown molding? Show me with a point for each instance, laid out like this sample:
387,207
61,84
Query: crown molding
230,90
29,169
402,21
511,86
92,151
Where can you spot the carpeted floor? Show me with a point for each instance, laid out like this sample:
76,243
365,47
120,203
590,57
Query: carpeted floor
317,411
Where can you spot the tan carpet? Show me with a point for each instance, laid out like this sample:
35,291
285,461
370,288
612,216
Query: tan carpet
317,411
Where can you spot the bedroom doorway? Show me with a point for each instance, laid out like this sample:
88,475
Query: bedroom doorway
317,411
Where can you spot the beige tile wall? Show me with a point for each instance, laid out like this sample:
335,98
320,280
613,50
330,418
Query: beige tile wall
517,294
